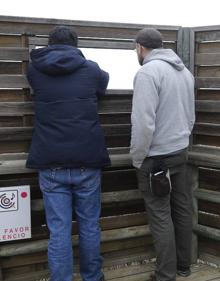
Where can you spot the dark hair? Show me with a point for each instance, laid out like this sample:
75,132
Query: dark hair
149,38
63,35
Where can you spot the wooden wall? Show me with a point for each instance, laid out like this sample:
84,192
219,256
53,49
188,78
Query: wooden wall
205,63
125,234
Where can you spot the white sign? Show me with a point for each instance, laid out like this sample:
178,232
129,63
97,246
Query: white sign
15,213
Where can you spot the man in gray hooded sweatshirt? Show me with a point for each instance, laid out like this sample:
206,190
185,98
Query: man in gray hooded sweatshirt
162,119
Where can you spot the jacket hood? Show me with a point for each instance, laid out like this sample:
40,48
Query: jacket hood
57,59
166,55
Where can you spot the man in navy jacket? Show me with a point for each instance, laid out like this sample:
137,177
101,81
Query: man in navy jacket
68,149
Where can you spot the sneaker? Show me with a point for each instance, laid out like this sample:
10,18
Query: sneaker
183,271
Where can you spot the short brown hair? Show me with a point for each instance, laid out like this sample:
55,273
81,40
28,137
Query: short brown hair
149,38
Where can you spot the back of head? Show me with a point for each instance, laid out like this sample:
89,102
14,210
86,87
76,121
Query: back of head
149,38
64,36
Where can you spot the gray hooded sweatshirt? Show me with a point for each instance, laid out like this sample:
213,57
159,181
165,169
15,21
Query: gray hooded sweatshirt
163,108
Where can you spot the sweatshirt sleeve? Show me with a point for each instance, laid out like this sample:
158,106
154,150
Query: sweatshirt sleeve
192,106
144,106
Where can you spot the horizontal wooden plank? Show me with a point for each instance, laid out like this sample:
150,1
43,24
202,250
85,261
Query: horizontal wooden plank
208,95
207,82
14,54
205,157
15,134
30,20
208,140
207,59
207,129
208,47
10,40
39,246
200,156
98,43
84,28
10,121
10,68
121,264
209,179
206,117
109,104
89,43
212,220
208,71
97,30
208,232
209,246
135,247
208,35
25,133
16,108
13,95
207,195
18,166
107,197
208,207
208,106
127,268
13,81
106,223
117,130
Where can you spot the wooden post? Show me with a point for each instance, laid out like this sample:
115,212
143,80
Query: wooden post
183,45
193,181
1,275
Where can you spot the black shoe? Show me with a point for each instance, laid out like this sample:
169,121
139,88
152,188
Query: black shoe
183,271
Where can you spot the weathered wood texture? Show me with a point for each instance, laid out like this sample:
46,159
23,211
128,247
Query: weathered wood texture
205,64
123,220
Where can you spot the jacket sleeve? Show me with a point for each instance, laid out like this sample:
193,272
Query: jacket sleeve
102,83
144,106
29,78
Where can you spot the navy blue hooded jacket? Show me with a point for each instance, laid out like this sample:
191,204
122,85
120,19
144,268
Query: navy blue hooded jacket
67,132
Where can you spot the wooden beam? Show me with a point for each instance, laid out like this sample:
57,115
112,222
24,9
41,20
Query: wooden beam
14,166
13,81
208,232
83,29
208,106
208,71
207,195
107,198
29,20
41,245
207,129
209,47
207,34
25,133
207,59
207,82
204,159
14,54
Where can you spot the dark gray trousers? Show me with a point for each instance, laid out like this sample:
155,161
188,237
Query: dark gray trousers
170,217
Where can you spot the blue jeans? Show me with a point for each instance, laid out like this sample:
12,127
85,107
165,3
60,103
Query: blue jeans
65,191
